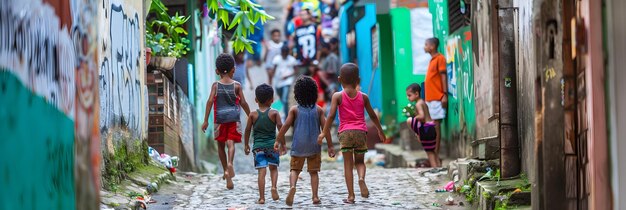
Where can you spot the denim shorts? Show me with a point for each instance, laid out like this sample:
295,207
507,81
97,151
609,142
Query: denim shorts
264,157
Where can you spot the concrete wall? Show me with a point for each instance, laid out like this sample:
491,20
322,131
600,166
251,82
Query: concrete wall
616,30
48,108
485,69
121,64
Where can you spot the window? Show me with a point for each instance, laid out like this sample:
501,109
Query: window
459,14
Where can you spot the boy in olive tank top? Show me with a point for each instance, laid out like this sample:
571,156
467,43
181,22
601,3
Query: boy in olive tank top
263,123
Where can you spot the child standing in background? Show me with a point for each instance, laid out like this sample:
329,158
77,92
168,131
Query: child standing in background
264,121
307,119
423,125
352,105
227,98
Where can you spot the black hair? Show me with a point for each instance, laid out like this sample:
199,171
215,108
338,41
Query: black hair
415,88
285,48
349,73
275,31
264,93
225,63
325,45
305,91
334,40
434,41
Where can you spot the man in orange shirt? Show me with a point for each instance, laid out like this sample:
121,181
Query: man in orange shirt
436,88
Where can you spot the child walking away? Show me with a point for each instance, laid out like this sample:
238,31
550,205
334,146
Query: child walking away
307,119
352,105
264,122
226,98
423,125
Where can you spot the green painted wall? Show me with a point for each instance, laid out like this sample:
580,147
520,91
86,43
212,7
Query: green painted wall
461,113
386,55
403,52
439,10
457,47
37,150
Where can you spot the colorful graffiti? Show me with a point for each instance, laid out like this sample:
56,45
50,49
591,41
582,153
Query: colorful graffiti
186,120
123,93
47,71
461,114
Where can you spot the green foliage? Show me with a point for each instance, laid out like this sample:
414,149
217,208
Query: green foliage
246,15
165,35
133,194
118,165
469,189
410,110
525,185
391,129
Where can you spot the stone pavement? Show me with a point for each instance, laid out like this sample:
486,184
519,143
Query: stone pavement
389,188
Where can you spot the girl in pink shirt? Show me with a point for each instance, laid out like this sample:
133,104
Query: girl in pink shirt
352,105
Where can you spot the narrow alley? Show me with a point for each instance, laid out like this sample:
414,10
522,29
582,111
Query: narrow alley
389,188
450,104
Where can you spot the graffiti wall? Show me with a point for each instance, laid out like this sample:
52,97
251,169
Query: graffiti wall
122,79
461,115
185,121
48,117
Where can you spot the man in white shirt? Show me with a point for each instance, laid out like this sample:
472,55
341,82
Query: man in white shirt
284,73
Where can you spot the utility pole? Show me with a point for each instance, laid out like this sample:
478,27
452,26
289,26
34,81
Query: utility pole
509,142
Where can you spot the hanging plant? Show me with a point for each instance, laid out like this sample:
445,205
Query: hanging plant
246,15
165,34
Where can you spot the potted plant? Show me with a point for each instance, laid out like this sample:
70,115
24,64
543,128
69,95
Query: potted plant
165,36
390,130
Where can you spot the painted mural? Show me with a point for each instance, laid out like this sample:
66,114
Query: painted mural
47,85
461,114
122,81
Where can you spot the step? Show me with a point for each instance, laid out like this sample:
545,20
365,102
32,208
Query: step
486,192
486,148
397,157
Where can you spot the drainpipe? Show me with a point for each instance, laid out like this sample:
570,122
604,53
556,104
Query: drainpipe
509,143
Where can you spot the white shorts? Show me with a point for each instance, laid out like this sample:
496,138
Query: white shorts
436,111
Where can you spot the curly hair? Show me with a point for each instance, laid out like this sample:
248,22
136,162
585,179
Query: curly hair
225,63
305,91
264,93
415,88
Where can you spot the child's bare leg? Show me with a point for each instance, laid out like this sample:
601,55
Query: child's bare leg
222,155
293,180
274,176
432,159
359,162
315,182
261,180
348,165
231,157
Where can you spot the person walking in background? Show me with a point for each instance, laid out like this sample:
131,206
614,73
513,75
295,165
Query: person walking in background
422,124
307,119
351,104
274,48
227,98
284,67
305,41
315,73
436,87
263,123
241,72
329,65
